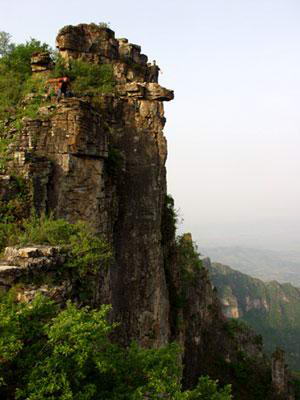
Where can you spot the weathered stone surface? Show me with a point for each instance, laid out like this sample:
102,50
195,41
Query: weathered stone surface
156,92
88,38
33,256
63,156
41,62
147,91
20,263
58,293
9,275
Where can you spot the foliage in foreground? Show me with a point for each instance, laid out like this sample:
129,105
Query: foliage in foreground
48,353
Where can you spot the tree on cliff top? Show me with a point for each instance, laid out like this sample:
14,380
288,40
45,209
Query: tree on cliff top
5,43
15,69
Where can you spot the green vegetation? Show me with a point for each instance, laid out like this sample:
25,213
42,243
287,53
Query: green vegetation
250,376
15,206
235,326
87,252
14,72
16,84
86,78
104,24
8,233
5,43
4,152
51,351
169,221
189,257
48,353
17,201
244,373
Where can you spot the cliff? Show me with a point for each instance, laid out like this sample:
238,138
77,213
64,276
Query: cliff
99,156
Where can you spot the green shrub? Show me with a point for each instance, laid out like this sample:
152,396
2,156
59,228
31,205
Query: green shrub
91,77
86,250
18,59
235,326
15,69
9,233
4,153
86,78
169,220
17,206
5,43
13,209
47,231
60,66
35,85
103,24
188,256
208,390
47,353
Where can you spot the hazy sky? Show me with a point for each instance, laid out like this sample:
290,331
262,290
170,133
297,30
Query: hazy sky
233,129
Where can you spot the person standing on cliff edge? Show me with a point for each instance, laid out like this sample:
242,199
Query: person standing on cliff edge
61,86
153,72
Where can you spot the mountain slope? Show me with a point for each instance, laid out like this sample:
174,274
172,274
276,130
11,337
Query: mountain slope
272,309
263,264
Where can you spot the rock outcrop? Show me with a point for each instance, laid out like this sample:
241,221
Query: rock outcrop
98,45
281,376
23,268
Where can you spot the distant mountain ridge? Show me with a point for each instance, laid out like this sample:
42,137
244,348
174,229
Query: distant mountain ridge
268,265
271,308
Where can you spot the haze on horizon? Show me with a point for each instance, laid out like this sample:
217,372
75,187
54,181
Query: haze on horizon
233,129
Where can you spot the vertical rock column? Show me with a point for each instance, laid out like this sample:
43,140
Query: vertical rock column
280,376
139,292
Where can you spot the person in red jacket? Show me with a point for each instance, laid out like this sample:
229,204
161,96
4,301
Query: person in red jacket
61,86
